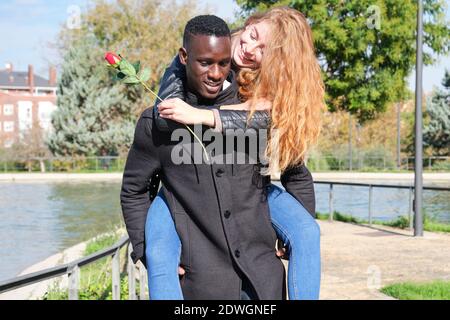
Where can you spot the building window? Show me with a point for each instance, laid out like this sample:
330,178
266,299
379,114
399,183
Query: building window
8,110
8,126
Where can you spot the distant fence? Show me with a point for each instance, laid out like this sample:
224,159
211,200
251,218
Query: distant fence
66,164
72,270
375,163
317,164
370,199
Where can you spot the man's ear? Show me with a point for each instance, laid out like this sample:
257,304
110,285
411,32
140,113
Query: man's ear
182,53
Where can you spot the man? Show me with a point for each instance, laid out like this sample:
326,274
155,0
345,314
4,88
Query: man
220,214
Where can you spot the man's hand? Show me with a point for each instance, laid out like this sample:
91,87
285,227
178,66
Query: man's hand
179,111
181,271
281,253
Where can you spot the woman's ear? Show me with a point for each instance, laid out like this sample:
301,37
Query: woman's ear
182,53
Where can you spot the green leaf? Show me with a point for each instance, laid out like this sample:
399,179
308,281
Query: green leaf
137,66
120,76
127,68
145,75
131,80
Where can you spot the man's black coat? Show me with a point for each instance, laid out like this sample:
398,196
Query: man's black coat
220,213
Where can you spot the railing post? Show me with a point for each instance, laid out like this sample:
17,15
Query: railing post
116,275
370,204
131,276
74,282
429,163
142,282
330,203
410,208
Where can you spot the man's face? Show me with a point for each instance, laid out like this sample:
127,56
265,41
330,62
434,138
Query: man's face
207,60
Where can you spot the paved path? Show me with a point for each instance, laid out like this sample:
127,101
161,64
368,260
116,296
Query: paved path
388,178
356,260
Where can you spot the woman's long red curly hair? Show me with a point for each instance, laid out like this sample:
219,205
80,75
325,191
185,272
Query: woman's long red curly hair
289,77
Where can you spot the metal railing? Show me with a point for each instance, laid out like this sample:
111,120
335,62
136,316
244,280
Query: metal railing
369,163
371,186
320,163
72,270
64,164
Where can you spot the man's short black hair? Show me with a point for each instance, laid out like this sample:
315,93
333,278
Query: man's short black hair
207,25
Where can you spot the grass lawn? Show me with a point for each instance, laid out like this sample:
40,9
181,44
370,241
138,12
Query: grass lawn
436,290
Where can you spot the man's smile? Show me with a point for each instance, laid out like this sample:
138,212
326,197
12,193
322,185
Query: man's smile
212,87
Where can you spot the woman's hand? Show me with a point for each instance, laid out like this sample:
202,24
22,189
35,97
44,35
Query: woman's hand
179,111
260,105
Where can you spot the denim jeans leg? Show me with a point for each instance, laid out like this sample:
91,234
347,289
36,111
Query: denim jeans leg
163,249
301,234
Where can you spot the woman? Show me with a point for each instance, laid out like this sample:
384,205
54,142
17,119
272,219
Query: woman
278,72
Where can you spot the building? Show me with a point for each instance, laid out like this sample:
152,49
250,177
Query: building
26,99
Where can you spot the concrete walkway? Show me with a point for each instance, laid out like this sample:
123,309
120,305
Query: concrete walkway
358,260
388,178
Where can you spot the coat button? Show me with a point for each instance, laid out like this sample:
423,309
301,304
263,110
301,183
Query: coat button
219,172
237,253
227,214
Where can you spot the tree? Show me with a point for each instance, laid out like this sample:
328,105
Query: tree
96,115
367,48
437,131
30,146
93,115
149,31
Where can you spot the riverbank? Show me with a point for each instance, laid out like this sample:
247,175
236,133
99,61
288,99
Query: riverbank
407,178
36,177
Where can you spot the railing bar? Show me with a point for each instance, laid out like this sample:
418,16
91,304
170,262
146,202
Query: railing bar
74,283
32,278
330,203
116,275
380,185
142,282
25,280
131,276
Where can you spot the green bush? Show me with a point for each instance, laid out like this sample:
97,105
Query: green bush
101,242
401,222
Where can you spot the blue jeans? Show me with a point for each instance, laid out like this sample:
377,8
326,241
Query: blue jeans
292,223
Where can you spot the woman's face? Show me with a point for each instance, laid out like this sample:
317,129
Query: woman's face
248,50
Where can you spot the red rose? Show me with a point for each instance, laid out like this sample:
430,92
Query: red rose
112,59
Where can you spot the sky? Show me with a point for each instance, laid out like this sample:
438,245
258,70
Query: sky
27,27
